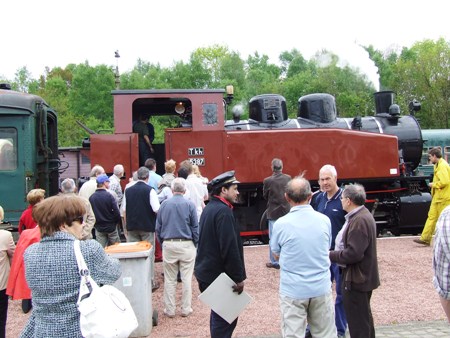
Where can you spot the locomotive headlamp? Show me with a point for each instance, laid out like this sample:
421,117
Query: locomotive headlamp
414,107
179,108
230,94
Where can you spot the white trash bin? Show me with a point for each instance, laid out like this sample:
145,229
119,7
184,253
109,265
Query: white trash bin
135,281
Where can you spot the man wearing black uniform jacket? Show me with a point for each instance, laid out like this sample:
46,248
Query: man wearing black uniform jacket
220,246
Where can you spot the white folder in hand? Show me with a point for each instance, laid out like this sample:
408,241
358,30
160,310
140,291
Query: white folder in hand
219,296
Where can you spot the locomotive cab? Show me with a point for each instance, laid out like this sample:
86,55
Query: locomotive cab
193,117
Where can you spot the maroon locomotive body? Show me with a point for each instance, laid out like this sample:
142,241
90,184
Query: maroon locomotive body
379,151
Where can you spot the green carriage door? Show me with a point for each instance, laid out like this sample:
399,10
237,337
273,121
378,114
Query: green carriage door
13,182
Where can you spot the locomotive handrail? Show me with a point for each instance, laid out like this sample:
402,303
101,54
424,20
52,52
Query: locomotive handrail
90,131
389,190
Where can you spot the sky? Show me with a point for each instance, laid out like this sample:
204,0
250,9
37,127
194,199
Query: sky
55,33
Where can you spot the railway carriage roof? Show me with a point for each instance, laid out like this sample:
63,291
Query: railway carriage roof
434,137
19,100
166,91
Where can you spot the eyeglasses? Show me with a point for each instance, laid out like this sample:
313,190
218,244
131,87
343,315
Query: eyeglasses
343,198
78,219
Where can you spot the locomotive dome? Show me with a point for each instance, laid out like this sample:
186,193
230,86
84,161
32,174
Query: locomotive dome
268,108
319,108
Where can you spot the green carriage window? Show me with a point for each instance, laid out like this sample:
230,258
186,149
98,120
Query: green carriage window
446,154
8,149
425,150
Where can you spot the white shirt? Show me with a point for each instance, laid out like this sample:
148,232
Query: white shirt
154,201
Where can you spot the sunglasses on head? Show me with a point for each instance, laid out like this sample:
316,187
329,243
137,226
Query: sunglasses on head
78,219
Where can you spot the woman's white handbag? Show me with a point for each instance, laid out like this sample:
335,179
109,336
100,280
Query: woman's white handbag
104,311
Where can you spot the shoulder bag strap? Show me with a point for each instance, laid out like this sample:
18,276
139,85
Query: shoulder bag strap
87,283
82,268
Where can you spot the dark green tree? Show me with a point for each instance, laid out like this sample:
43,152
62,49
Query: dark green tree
90,92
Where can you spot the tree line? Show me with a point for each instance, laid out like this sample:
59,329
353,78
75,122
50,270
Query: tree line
83,92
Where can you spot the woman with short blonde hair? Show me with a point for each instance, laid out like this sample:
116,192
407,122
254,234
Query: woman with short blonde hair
26,220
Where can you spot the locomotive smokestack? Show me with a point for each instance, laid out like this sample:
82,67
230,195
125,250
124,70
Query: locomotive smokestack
383,100
238,110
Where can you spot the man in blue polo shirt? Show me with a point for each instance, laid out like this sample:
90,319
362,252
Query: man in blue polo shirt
328,202
305,284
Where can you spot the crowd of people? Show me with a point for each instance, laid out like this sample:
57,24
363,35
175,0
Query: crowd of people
335,236
315,239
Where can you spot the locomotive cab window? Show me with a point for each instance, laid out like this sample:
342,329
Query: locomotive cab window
8,149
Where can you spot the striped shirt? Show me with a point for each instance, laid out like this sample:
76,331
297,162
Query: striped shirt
441,255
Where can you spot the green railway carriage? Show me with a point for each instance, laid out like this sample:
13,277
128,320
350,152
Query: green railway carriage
28,150
434,138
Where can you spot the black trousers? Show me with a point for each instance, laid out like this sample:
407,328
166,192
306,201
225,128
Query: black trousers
219,327
3,312
358,313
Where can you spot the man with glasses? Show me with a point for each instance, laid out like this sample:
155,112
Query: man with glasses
356,252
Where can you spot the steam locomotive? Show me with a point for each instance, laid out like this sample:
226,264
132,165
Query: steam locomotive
381,151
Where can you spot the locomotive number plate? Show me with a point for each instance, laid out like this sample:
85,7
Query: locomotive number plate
200,161
196,151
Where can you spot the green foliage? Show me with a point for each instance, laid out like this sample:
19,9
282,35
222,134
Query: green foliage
90,93
293,63
82,92
421,72
262,77
160,123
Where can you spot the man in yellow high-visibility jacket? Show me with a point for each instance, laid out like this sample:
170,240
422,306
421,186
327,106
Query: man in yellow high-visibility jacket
440,191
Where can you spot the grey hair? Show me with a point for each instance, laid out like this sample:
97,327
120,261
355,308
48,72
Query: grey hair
330,168
135,176
143,173
68,186
178,185
118,170
355,193
96,170
277,164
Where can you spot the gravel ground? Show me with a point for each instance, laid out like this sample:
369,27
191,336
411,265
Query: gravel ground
406,294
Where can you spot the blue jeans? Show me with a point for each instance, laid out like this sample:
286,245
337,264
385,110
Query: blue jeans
339,312
271,258
219,327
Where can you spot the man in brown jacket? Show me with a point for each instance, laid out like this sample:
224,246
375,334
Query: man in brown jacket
356,251
277,206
